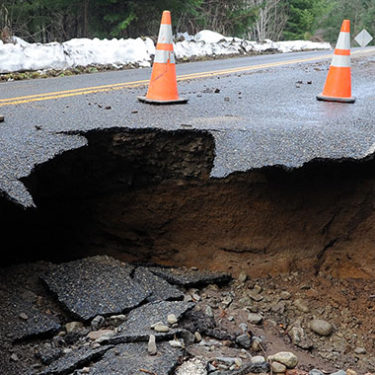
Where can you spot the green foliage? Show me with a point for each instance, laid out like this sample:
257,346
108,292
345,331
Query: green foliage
303,17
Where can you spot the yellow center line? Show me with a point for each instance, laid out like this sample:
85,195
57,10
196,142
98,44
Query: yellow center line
123,85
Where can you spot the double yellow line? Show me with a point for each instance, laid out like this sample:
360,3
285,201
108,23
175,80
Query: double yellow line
121,86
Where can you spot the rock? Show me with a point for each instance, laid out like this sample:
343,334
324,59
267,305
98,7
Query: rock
278,368
176,344
301,305
321,327
194,366
171,319
23,316
254,318
256,344
242,277
100,335
286,358
116,320
340,372
73,327
151,346
350,372
209,312
315,372
161,328
198,337
97,322
48,355
360,350
299,338
244,340
258,359
243,327
285,295
14,357
255,296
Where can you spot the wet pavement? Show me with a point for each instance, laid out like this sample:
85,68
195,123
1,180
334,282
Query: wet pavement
265,117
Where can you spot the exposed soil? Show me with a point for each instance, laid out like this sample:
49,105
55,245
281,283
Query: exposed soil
147,195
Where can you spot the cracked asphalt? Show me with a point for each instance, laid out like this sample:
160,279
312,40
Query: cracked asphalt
262,117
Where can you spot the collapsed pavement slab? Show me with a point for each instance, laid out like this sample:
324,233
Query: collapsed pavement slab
75,360
95,286
140,320
190,277
130,359
161,290
25,309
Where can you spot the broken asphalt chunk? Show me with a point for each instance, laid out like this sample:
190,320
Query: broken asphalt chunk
130,359
161,290
191,278
140,320
75,360
95,286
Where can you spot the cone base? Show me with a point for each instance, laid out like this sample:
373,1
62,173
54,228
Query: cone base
334,99
144,99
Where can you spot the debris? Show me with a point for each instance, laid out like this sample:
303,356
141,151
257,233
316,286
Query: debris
101,334
73,327
172,319
321,327
151,346
95,286
23,316
1,118
159,288
97,322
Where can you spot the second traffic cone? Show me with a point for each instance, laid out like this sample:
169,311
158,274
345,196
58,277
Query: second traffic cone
163,84
338,87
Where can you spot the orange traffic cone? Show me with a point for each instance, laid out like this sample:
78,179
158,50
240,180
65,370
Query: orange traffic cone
163,83
338,87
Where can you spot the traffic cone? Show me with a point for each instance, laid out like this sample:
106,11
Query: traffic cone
163,84
338,87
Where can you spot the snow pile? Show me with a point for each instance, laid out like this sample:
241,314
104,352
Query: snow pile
23,56
209,43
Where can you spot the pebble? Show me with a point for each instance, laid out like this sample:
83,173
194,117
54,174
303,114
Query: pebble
194,366
255,296
256,345
97,322
278,368
196,297
301,305
244,340
288,359
151,346
243,327
101,334
321,327
315,372
209,312
198,337
176,344
116,320
360,350
161,328
85,370
340,372
350,372
254,318
285,295
73,326
258,359
23,316
171,319
242,277
14,357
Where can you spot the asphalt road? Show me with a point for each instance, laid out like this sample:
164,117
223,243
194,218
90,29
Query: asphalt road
262,116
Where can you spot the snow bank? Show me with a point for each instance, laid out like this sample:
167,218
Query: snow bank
22,56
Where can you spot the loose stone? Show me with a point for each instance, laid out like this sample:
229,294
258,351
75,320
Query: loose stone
100,335
97,322
242,277
360,350
151,346
301,306
340,372
73,327
258,359
315,372
244,340
23,316
14,357
161,328
254,318
198,337
278,368
172,319
209,312
321,327
286,358
176,344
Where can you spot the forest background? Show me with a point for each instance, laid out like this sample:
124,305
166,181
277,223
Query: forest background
61,20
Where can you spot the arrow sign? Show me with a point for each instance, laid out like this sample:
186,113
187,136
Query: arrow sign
363,38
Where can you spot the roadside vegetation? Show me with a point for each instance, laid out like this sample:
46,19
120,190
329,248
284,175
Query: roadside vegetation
60,20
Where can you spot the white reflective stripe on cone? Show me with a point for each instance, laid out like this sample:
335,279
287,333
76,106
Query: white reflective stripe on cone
343,41
165,34
341,61
162,57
